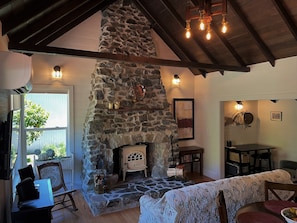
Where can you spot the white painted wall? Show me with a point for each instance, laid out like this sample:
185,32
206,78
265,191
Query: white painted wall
281,134
263,82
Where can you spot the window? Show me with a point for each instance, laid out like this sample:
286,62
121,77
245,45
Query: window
47,123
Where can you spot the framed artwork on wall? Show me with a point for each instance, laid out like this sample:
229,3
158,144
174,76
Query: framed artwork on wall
275,116
183,111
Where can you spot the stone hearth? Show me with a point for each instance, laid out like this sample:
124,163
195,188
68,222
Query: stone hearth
125,30
126,195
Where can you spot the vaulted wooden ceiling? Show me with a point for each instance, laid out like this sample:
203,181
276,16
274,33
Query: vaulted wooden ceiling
259,31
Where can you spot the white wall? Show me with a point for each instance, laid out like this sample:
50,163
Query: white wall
263,82
280,134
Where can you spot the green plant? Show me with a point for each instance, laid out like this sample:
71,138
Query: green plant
59,149
34,117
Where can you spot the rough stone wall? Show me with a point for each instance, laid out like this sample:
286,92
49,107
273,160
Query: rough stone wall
125,30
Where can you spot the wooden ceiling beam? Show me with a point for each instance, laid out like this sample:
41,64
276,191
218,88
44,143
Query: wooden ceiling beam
167,38
264,49
33,49
282,9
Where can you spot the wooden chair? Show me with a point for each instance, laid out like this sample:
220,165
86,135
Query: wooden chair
275,189
221,204
63,196
258,158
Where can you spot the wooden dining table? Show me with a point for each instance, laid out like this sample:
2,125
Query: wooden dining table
263,212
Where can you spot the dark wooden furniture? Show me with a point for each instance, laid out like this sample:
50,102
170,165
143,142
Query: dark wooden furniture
242,154
62,195
275,189
37,210
191,155
221,204
252,211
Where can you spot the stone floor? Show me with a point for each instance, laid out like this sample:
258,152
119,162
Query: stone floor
126,194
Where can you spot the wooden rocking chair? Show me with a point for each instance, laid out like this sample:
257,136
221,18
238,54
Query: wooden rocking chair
63,196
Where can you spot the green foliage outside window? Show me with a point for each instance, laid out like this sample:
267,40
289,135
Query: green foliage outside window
35,117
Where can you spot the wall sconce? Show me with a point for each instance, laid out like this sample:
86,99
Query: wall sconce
57,74
176,79
238,105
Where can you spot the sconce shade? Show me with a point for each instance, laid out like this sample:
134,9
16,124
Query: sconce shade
176,79
57,74
238,105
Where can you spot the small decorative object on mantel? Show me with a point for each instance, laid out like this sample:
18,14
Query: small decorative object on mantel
110,105
117,105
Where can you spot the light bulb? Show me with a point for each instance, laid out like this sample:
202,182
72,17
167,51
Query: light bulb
224,28
202,25
224,25
208,34
188,34
176,79
188,29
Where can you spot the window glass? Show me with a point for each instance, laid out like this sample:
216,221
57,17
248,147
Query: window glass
46,116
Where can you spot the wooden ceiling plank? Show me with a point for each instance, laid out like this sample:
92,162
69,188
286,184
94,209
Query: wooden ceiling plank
20,13
33,49
264,49
53,21
282,9
169,40
228,45
23,16
65,27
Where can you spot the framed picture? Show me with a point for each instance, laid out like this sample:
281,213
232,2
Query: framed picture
183,111
275,116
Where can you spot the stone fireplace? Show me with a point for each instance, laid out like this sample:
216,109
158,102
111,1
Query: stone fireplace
147,119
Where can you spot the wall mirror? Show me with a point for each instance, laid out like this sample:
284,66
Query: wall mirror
183,111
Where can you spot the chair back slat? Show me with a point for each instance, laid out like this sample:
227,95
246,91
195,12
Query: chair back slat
279,191
221,204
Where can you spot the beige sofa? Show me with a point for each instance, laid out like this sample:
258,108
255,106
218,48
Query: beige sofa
196,203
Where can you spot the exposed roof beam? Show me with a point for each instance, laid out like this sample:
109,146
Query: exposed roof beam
265,50
23,48
168,39
281,8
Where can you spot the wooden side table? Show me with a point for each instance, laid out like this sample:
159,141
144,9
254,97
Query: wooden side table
37,210
191,155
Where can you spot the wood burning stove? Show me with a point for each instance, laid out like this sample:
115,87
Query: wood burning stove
133,158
